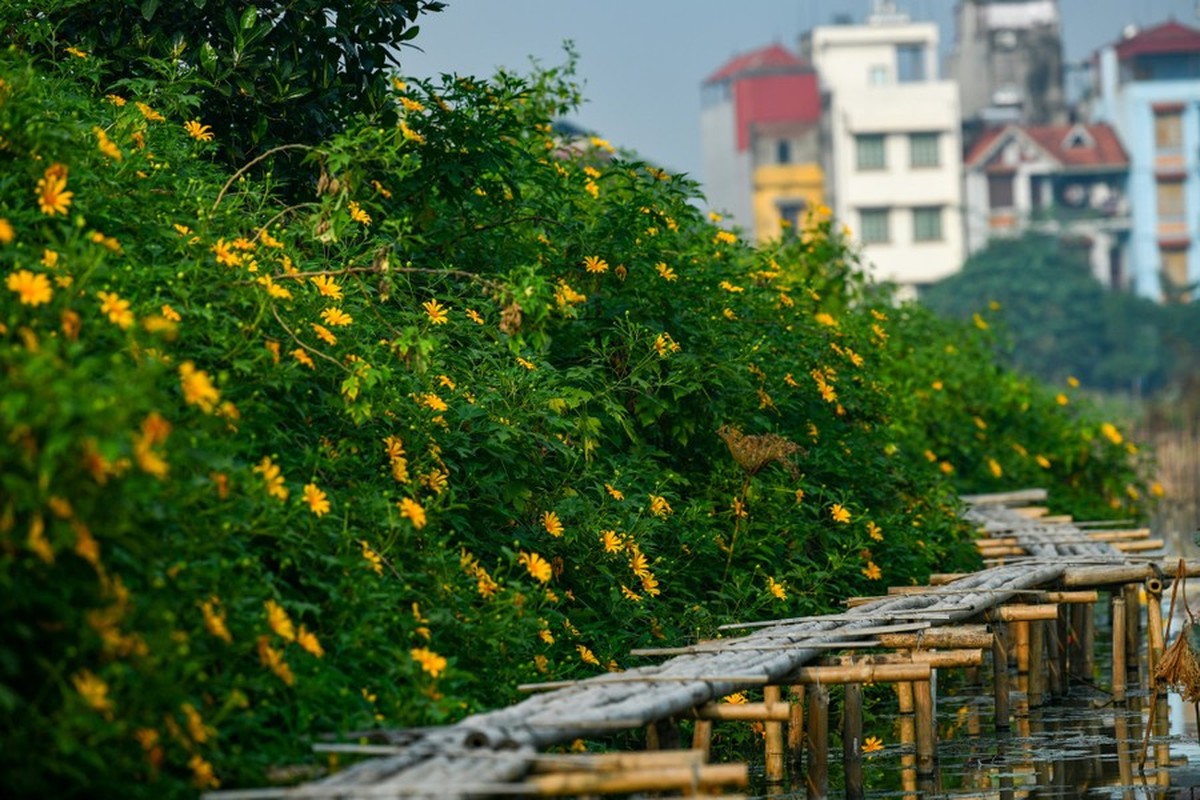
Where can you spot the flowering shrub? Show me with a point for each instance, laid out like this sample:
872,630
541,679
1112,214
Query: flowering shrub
374,458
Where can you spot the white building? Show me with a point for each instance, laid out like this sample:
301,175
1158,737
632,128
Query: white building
894,144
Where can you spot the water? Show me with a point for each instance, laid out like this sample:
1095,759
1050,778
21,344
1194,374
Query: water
1079,747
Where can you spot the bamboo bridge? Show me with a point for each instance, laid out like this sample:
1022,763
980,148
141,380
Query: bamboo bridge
1029,613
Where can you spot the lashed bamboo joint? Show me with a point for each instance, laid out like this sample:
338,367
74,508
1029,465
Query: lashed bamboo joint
1055,567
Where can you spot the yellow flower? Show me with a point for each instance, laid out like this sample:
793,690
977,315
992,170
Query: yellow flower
327,286
225,255
629,594
51,191
937,386
595,264
638,564
994,467
410,134
436,311
115,99
724,236
149,113
273,476
358,215
839,513
279,621
611,541
7,234
308,640
735,699
1108,430
615,494
872,744
93,690
553,525
372,558
31,289
197,730
826,319
1042,461
526,363
197,387
273,660
324,333
871,570
203,776
474,316
411,105
874,531
214,620
170,313
316,499
300,355
979,322
586,655
412,510
433,402
659,506
779,590
665,272
201,133
75,51
1061,399
335,317
106,145
539,568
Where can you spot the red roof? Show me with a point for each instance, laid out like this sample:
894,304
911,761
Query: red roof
1169,37
1104,149
774,58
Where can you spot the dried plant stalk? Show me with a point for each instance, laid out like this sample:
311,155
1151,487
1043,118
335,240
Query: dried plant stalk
1180,668
754,452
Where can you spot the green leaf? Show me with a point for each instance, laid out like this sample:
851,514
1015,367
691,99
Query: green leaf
148,9
249,17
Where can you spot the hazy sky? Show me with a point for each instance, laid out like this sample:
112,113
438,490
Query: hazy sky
642,61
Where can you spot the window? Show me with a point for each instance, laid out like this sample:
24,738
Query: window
873,222
1175,273
1168,130
923,150
1170,201
870,149
927,224
1000,190
877,75
910,63
790,211
783,152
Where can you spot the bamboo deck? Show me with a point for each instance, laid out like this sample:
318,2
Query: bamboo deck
498,753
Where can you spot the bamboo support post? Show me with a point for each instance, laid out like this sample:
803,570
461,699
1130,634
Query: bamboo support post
852,730
1118,649
1154,628
1020,645
1088,643
702,737
1000,675
1078,657
1062,631
1054,674
908,736
1133,629
773,734
795,735
816,773
1037,664
923,718
686,778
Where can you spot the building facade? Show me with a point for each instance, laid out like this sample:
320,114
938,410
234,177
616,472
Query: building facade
1008,63
1148,88
1068,180
759,134
893,145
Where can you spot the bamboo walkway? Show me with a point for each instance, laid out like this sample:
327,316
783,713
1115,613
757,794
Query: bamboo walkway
1041,579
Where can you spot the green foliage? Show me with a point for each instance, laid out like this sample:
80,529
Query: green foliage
376,457
261,72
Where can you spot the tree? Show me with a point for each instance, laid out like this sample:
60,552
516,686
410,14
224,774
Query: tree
260,73
1057,319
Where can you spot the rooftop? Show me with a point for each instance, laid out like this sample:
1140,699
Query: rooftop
766,60
1169,37
1075,145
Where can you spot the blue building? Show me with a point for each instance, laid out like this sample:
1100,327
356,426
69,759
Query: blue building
1148,88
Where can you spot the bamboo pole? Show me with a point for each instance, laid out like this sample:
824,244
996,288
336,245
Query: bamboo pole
1005,498
862,673
1037,663
1103,575
1082,596
852,730
744,712
960,636
1133,632
1118,649
1000,675
1020,644
998,552
923,718
908,736
1088,645
696,777
702,737
1119,536
773,738
1056,656
949,659
1078,657
1022,613
1154,629
616,762
816,773
795,741
1031,512
942,578
1140,547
